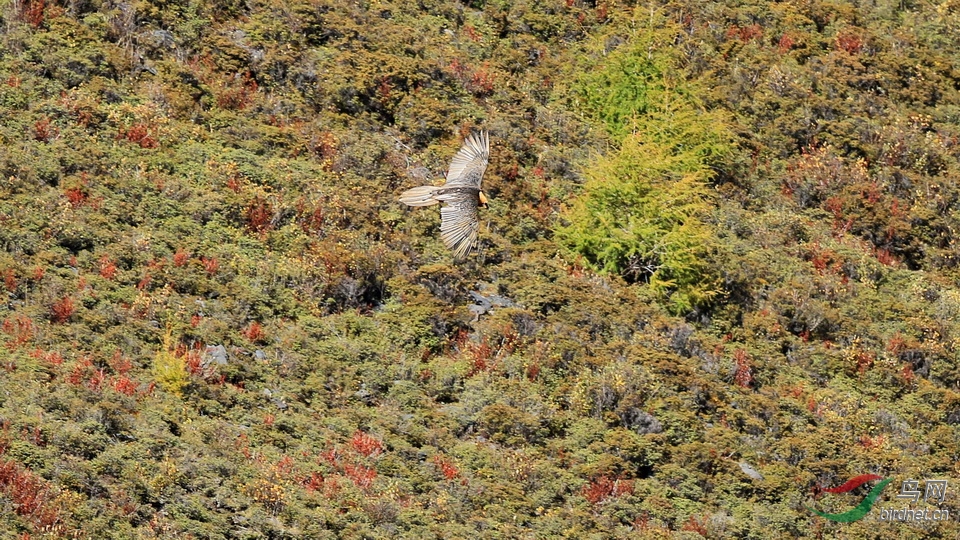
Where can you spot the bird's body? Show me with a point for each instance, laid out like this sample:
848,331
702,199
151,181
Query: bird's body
460,195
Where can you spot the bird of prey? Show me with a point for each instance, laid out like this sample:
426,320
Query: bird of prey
460,195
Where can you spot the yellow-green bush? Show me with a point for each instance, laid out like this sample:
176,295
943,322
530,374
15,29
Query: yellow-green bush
643,210
170,370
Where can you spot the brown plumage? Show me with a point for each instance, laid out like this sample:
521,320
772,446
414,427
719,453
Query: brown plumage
460,195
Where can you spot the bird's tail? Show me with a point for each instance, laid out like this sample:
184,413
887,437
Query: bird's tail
420,196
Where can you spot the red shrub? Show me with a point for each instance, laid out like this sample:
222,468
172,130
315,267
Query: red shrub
52,357
31,496
194,360
124,385
785,44
43,131
62,310
825,260
21,330
605,487
533,370
885,257
238,93
325,146
695,525
259,215
234,184
310,218
80,370
365,444
253,332
482,357
243,445
873,442
145,282
211,265
317,482
76,196
120,363
907,373
9,280
602,13
107,268
331,457
472,33
851,43
139,134
896,344
32,12
180,258
744,375
361,476
314,482
864,361
745,34
96,380
752,32
482,82
285,466
384,89
458,68
446,467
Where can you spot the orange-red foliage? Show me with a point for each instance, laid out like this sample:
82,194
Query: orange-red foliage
181,257
31,496
365,444
605,487
446,467
107,267
62,310
744,375
254,331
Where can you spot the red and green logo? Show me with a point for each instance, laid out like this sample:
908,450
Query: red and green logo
860,510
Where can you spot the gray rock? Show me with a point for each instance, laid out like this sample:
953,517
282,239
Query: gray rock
486,303
750,471
214,355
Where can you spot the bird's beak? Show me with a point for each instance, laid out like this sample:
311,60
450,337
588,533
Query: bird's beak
483,200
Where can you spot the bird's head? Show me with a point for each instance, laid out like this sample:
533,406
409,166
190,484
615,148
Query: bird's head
483,200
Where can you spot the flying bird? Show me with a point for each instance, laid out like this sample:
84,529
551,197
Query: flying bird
460,195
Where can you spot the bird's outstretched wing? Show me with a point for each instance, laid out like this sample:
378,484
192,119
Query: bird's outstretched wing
468,165
420,196
459,224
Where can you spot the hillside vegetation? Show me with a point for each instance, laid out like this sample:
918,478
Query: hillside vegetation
720,250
